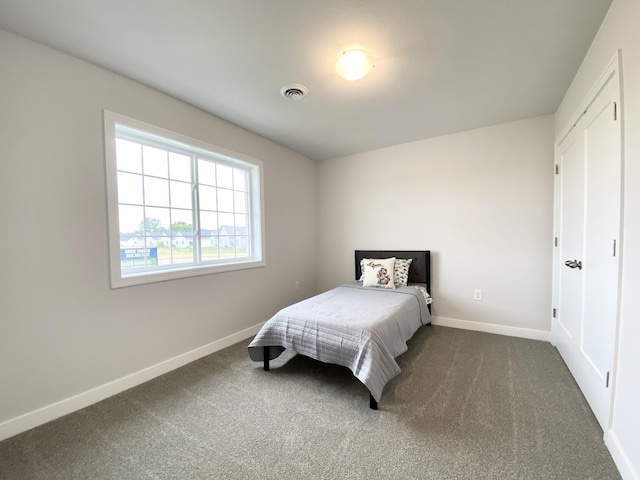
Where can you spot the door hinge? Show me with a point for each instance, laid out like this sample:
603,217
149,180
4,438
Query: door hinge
614,248
607,385
615,111
557,169
555,242
555,312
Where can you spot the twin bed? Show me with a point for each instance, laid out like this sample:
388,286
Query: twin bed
363,325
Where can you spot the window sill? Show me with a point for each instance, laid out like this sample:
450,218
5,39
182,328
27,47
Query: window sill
191,271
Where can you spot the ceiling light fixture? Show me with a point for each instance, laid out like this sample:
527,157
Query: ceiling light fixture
354,64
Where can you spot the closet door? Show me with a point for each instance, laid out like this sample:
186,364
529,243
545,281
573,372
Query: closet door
588,212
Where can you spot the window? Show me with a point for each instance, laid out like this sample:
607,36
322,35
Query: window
178,207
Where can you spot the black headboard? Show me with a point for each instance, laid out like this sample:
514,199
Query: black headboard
419,272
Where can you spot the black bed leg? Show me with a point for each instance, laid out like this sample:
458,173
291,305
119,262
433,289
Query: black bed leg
372,402
266,359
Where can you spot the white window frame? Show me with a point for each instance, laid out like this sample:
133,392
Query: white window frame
256,199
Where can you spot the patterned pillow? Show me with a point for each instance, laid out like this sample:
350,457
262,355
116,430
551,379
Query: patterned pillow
425,294
378,272
400,271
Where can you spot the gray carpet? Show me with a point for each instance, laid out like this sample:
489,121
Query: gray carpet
467,405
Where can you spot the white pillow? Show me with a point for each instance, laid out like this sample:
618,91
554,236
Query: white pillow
378,272
400,271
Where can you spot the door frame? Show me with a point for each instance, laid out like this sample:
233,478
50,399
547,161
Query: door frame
613,69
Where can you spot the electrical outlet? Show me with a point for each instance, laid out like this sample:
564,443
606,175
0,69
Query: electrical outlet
477,294
296,285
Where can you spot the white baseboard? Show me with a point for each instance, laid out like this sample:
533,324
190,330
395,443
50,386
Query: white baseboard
620,457
29,420
45,414
493,328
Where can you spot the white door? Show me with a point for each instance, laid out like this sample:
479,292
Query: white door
588,216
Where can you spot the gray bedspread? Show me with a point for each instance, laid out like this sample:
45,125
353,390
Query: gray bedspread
361,328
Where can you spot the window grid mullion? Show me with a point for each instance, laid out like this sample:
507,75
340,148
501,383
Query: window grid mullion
195,211
215,180
144,205
233,208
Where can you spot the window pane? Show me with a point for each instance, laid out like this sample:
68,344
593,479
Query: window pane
180,194
183,247
131,257
206,172
155,162
241,224
184,240
240,202
128,156
225,200
209,241
207,198
227,249
156,192
239,179
209,248
182,255
157,239
156,220
225,176
181,221
242,246
164,252
179,167
130,188
226,223
131,219
209,221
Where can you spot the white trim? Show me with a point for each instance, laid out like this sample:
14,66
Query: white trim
493,328
612,69
32,419
175,273
620,457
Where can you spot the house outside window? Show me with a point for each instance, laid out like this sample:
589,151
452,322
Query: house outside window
178,207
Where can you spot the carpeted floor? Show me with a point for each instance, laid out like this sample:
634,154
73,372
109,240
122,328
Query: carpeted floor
467,405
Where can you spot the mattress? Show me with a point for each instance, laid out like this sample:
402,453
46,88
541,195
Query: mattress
361,328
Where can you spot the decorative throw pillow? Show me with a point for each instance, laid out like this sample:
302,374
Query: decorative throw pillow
401,271
425,294
378,272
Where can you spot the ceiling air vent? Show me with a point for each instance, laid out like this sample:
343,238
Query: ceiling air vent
294,92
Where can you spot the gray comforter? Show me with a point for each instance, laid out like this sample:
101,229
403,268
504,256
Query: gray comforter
361,328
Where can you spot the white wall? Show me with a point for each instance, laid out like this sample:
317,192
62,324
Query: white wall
620,30
63,331
481,201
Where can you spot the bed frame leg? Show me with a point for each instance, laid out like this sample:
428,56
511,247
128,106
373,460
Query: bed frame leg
373,405
266,359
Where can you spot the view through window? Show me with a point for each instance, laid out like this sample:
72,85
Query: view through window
179,206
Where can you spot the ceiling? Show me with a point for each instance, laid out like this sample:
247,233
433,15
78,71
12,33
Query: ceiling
441,66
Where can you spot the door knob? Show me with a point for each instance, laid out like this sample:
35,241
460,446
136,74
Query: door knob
574,264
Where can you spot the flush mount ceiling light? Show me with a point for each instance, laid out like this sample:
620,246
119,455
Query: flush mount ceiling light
354,64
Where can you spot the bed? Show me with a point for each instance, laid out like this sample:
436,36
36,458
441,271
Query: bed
362,325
